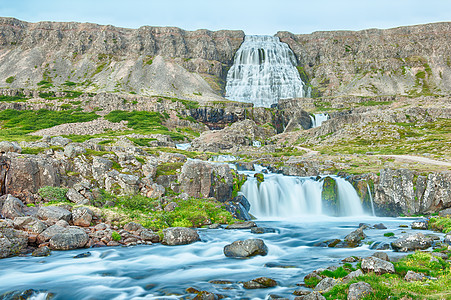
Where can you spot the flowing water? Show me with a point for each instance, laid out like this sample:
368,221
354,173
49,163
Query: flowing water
264,71
318,119
290,205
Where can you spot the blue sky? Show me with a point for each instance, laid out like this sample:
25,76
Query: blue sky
252,16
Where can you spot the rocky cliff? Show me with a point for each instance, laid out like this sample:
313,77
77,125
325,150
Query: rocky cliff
411,60
149,60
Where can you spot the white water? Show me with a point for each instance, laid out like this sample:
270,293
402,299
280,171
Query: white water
371,199
257,144
184,146
293,196
318,119
264,71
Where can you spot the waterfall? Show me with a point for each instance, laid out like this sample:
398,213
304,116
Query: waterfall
264,71
371,198
318,119
292,196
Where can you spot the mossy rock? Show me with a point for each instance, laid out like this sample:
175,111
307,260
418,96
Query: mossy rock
329,195
260,177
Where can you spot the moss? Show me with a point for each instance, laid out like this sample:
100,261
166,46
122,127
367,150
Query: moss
260,177
329,193
168,168
389,234
10,79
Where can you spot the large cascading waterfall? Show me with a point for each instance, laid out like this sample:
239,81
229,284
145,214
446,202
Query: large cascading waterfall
292,196
263,72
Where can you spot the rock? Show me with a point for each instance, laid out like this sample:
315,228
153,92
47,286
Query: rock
42,251
132,226
82,216
354,238
214,226
260,283
376,265
380,246
12,208
54,213
12,242
59,141
70,238
155,190
381,255
352,275
412,276
445,212
246,248
83,255
149,236
260,230
326,284
411,242
351,259
74,196
380,226
359,290
312,296
100,166
447,239
73,150
6,147
423,225
47,234
328,243
179,236
29,224
170,206
242,225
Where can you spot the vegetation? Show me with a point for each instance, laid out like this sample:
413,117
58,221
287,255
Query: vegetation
442,224
53,194
10,79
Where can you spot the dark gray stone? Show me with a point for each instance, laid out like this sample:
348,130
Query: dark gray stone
179,236
246,248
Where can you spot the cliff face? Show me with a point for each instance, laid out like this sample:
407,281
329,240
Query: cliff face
149,60
412,60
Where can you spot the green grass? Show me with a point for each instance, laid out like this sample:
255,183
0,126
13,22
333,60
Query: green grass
143,142
168,168
440,224
10,79
13,98
53,194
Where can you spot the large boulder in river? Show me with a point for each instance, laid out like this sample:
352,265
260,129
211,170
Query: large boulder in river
246,248
179,236
355,238
70,238
377,265
12,242
412,242
203,179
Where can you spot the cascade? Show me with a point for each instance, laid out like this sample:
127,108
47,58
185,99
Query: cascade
264,71
318,119
291,196
371,199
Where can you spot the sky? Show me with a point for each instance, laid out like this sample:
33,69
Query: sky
252,16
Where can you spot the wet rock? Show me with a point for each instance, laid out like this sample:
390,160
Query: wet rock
82,216
12,242
380,226
260,283
220,282
411,242
355,238
423,225
359,290
329,243
413,276
381,255
42,251
246,248
351,259
83,255
179,236
12,208
54,213
242,225
352,275
326,284
214,226
380,246
260,230
377,265
29,224
70,238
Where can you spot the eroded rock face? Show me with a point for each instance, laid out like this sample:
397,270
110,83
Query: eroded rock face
412,242
246,248
179,236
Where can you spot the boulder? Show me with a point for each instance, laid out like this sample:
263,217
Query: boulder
149,236
74,196
381,255
6,147
413,276
411,242
313,296
82,216
12,242
447,239
70,238
326,284
260,283
73,150
246,248
423,225
242,225
352,275
29,224
359,290
179,236
54,213
132,226
12,208
100,166
380,226
42,251
260,230
377,265
59,141
445,212
355,238
50,232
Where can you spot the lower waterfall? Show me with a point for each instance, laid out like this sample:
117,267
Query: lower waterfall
318,119
291,196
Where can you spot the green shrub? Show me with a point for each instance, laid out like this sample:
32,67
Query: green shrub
53,194
116,236
389,234
10,79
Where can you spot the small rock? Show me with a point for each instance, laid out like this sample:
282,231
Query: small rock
312,296
74,196
179,236
359,290
447,239
260,230
42,251
354,238
260,283
326,285
214,226
82,216
83,255
29,224
413,276
242,225
149,236
6,147
423,225
132,226
380,226
170,206
411,242
59,141
445,212
381,255
54,213
377,265
246,248
352,275
12,208
351,259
